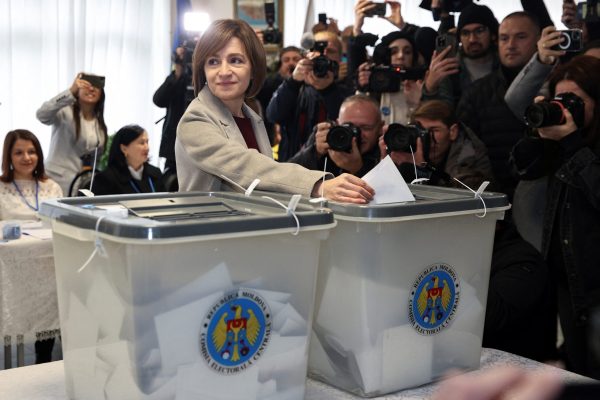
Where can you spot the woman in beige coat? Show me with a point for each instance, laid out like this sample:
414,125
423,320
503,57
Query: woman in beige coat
220,136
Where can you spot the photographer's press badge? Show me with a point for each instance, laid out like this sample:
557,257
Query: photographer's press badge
434,299
235,332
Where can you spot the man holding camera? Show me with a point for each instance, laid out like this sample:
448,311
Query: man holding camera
482,107
443,148
350,144
448,75
311,95
174,94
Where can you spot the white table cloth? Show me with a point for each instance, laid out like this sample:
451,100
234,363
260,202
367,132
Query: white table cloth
28,301
47,381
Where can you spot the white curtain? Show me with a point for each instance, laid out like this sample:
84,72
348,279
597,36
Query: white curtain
45,43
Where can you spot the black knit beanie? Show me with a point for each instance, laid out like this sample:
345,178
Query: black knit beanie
476,14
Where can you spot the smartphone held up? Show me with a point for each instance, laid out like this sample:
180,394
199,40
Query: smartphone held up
379,10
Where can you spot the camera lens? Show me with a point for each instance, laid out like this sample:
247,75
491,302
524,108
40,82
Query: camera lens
544,114
339,137
379,80
566,43
385,79
404,138
399,138
271,35
321,66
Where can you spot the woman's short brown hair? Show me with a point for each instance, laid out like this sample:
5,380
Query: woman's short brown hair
218,34
8,173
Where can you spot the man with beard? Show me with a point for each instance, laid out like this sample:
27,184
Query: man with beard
482,107
448,77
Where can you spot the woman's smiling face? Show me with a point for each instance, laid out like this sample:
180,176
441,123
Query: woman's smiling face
24,159
229,71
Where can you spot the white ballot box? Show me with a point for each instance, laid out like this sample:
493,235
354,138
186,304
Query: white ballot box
185,295
402,289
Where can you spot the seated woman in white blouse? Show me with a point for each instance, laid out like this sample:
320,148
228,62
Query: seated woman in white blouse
23,183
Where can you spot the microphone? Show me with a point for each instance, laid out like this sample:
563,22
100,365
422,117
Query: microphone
308,41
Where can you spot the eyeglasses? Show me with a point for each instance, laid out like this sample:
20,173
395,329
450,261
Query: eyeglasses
477,32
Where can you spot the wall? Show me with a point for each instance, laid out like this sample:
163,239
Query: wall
216,9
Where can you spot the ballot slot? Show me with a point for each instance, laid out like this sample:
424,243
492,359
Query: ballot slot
170,209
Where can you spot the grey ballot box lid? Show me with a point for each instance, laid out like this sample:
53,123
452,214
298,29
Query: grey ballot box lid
430,200
173,215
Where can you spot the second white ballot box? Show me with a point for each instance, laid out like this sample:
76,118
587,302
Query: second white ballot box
402,289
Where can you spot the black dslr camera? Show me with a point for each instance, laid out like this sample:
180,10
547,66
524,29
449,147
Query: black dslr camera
339,137
402,138
321,64
271,34
188,45
387,78
550,113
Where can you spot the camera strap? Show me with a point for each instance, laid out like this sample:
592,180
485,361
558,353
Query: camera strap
290,208
321,199
478,193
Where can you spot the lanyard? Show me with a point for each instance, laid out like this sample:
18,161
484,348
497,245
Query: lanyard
137,189
37,189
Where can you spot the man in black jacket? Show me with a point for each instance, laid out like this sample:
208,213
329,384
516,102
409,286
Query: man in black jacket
363,113
288,59
482,106
174,94
449,77
307,98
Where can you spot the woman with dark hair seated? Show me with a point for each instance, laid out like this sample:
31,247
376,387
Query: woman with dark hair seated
128,170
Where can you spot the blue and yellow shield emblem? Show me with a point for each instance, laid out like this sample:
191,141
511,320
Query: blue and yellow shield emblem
235,331
434,299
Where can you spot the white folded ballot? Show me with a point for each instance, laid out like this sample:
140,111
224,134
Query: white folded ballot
210,339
